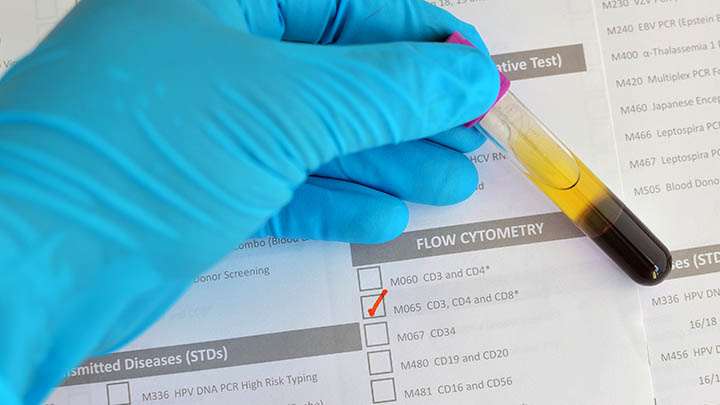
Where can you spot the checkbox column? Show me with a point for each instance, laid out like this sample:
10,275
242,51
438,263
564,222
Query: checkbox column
377,336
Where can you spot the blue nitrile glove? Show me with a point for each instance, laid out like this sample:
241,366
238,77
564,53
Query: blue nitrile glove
143,139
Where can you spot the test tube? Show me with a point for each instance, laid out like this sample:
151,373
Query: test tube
590,205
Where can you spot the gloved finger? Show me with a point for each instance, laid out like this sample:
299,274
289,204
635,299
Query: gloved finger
417,171
362,96
342,21
370,21
336,210
461,139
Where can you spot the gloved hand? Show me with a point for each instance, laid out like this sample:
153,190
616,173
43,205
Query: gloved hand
143,139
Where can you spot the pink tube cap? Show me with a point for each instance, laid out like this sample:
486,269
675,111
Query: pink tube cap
456,38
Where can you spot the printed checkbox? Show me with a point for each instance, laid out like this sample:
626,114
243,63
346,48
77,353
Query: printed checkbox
368,302
376,334
380,362
45,8
118,393
370,278
383,390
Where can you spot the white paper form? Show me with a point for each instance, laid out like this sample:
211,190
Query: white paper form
497,300
662,60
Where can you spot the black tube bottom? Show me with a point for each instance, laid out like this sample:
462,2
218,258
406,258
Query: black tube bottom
632,246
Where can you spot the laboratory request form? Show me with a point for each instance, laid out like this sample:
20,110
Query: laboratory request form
499,299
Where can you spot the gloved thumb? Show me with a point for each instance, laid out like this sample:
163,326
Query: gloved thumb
364,96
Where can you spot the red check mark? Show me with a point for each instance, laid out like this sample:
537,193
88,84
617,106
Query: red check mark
372,310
